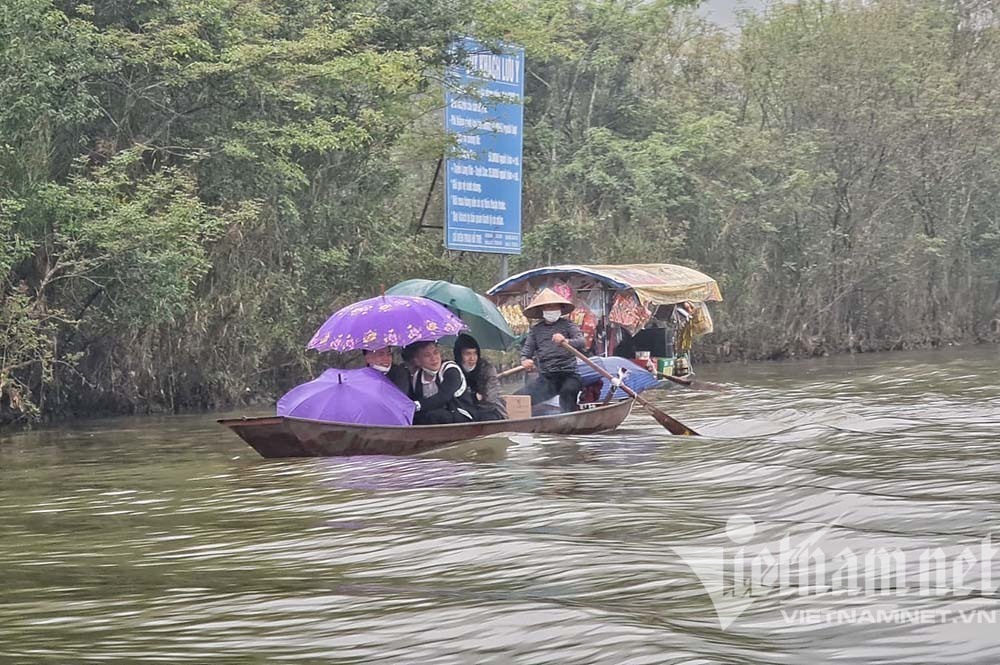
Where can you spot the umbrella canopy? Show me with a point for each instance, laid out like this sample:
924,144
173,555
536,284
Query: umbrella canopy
385,321
636,378
484,320
361,396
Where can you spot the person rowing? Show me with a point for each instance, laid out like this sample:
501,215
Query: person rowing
543,349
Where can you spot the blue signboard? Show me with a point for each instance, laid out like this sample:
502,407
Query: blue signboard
484,112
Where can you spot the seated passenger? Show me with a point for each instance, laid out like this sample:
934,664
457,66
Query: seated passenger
438,388
406,355
482,379
381,359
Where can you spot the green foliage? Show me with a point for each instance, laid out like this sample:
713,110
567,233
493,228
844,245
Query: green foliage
188,189
27,354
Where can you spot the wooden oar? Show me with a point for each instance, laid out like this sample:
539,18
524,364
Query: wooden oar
510,372
672,425
694,384
676,379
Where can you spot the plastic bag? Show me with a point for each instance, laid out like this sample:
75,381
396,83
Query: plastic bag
701,320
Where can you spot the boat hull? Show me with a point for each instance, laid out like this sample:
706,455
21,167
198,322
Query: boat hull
295,437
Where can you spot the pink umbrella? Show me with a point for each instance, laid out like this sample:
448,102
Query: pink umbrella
385,321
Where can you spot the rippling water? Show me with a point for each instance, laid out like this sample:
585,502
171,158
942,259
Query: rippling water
169,540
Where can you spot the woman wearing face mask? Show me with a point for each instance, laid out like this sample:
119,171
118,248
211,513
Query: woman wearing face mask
556,365
381,360
482,379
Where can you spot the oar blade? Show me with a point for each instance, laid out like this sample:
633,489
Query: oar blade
693,384
671,425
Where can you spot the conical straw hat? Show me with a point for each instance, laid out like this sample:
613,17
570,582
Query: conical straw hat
547,297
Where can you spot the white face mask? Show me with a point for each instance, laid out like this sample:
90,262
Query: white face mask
551,315
469,368
382,368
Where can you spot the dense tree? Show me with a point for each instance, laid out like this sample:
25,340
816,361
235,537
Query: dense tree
187,188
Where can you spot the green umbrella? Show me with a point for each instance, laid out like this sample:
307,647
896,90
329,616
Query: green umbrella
485,321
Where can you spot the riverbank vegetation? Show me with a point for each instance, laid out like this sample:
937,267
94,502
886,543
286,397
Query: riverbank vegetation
187,189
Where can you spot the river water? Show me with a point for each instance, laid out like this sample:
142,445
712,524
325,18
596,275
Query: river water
835,510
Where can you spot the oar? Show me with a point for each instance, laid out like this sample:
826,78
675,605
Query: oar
694,384
672,425
676,379
511,372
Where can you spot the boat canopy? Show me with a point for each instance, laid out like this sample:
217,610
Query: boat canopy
654,283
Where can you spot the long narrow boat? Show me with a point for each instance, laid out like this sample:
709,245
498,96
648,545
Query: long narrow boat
281,436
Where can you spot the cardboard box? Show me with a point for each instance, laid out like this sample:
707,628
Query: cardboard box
518,406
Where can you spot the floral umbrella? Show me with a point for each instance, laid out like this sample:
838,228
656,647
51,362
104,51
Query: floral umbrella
385,321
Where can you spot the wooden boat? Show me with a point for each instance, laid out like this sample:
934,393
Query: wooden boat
281,436
640,290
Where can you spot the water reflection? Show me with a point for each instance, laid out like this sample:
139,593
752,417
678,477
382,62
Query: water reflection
378,473
146,539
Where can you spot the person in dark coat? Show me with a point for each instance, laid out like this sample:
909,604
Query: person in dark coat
482,379
542,349
381,359
439,389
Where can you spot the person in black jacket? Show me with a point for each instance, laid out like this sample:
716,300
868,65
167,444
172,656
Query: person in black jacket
381,359
439,389
482,378
543,349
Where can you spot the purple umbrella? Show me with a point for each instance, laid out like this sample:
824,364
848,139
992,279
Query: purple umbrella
361,396
385,321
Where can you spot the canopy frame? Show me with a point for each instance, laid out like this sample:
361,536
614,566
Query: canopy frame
654,283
